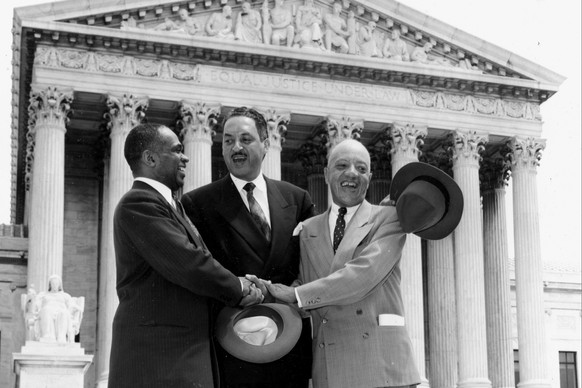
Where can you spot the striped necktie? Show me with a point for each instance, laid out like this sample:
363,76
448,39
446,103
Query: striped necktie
257,212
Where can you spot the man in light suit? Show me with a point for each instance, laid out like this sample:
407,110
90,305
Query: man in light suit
247,243
165,275
350,283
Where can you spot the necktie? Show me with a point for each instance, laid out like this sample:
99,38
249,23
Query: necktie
340,226
257,212
178,206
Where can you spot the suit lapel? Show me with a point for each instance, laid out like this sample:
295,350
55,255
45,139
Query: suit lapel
356,231
233,210
282,222
318,241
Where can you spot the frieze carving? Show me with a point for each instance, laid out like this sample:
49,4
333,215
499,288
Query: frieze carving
525,153
471,104
83,60
50,107
198,121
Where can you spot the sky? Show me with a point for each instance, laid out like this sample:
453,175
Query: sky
544,31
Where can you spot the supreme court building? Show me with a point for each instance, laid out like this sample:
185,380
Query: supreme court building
407,86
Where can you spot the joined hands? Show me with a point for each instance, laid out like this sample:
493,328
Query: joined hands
272,291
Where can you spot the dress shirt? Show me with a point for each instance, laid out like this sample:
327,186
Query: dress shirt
259,192
333,213
160,188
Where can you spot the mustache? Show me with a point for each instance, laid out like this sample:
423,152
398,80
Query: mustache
238,153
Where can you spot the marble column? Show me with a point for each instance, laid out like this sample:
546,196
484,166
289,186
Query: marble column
531,329
124,112
442,318
469,271
48,112
197,122
494,175
405,140
277,121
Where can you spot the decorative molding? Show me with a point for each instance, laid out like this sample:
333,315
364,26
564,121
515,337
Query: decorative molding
525,153
50,107
198,121
406,139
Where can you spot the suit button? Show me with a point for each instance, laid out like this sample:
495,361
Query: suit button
322,345
324,321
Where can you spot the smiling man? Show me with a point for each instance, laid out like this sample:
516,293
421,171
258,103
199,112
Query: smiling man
247,220
350,283
165,275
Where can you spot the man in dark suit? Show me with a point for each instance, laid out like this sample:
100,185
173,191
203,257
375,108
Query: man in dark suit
249,230
165,275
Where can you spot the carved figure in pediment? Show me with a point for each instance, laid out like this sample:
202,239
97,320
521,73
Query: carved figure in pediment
280,25
131,24
336,30
308,21
248,25
352,31
420,55
395,48
366,42
219,24
465,63
185,24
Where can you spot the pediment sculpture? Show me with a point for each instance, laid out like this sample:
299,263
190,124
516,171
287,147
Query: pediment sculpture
333,28
52,316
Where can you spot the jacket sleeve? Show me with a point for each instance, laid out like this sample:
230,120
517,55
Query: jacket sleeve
162,241
369,268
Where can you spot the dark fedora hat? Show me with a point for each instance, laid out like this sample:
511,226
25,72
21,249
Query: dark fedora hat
286,318
429,202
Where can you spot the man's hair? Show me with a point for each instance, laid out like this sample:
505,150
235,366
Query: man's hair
258,118
142,137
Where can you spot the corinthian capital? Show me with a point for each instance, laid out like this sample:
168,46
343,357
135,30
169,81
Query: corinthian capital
405,140
198,120
495,171
125,112
526,152
277,122
313,156
339,129
467,146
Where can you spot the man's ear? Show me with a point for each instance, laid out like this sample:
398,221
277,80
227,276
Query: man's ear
149,158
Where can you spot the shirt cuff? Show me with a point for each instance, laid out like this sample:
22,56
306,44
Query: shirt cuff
298,300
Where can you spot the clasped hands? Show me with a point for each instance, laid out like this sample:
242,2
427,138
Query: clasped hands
268,291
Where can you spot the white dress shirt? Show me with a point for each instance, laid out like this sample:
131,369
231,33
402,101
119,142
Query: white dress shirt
259,192
160,188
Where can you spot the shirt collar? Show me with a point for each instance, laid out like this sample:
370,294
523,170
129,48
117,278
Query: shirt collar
160,188
259,182
349,210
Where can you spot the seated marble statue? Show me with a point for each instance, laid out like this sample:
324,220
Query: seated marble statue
30,312
59,314
185,24
278,25
219,24
366,42
420,55
395,48
308,21
336,30
248,25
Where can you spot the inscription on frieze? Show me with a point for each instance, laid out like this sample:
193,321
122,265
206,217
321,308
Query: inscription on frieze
283,83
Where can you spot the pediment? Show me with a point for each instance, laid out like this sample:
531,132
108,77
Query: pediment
375,38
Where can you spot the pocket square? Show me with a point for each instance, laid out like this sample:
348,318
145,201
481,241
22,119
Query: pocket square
298,229
390,320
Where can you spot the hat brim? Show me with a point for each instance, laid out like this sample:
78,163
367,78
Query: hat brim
289,327
452,192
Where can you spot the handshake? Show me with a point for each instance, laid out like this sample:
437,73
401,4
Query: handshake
256,290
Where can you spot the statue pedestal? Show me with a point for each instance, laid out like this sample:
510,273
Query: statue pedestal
51,365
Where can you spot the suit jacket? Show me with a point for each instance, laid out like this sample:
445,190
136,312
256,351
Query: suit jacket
165,279
236,242
346,292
